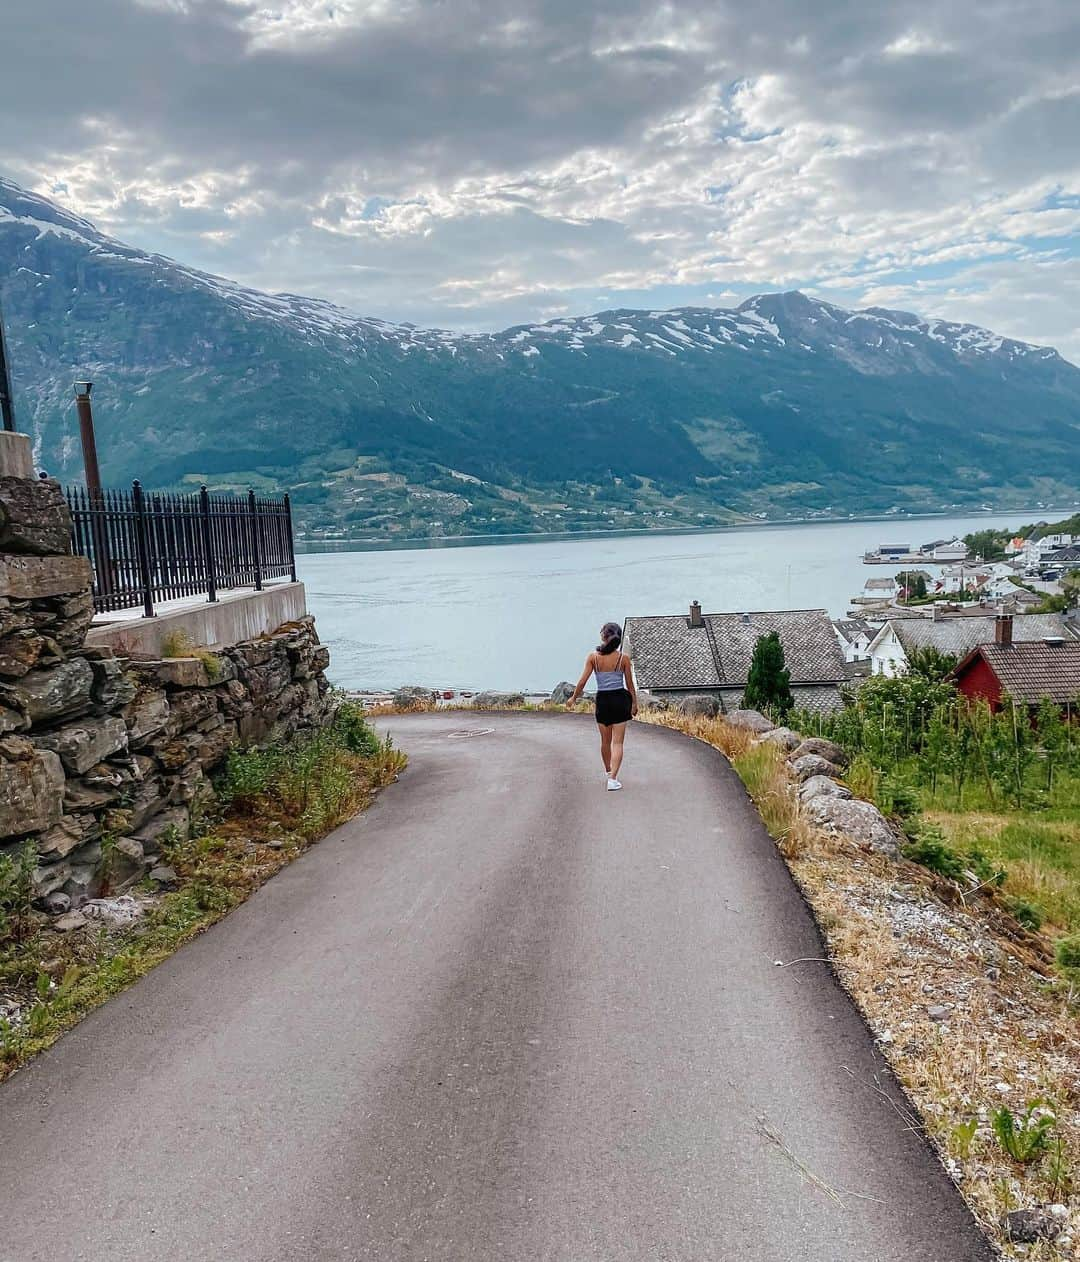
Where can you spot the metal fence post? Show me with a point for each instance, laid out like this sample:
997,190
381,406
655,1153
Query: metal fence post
208,544
292,542
142,548
256,542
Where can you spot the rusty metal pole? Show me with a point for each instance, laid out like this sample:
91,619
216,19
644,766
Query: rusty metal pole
86,436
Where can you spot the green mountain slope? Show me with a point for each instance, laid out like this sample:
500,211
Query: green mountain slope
780,407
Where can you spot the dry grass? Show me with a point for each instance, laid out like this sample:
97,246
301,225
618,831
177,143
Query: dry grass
273,805
901,944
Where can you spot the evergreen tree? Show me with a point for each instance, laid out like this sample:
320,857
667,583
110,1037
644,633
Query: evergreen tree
768,686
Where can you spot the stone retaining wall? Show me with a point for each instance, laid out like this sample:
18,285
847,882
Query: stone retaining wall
101,756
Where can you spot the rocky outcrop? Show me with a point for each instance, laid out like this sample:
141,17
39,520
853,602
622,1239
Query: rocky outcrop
100,757
561,693
699,705
861,821
498,700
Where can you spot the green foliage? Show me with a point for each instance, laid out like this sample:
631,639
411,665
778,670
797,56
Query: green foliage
1023,912
16,889
913,583
930,663
1025,1138
930,848
356,733
963,1135
988,544
1067,954
768,684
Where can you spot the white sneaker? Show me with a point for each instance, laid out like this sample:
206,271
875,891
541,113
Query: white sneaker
613,785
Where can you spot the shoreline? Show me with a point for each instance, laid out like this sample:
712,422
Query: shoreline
429,542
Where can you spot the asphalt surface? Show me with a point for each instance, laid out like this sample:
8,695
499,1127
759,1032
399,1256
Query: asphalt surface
503,1015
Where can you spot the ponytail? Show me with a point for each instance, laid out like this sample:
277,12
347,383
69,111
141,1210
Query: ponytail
611,635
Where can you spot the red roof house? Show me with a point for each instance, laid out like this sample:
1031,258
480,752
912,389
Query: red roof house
1027,671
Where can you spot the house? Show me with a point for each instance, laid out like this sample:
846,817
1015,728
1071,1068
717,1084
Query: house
881,589
1027,671
953,635
680,655
854,635
956,550
962,578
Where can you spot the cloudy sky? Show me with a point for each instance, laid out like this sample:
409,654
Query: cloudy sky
477,164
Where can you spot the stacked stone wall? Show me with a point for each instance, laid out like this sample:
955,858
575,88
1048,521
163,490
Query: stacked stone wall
101,756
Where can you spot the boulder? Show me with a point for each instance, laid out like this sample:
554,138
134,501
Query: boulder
699,705
175,822
34,517
836,754
411,695
822,786
31,792
752,720
782,736
127,861
43,696
561,692
807,765
69,922
49,878
1027,1226
497,700
861,821
163,875
35,577
82,744
56,904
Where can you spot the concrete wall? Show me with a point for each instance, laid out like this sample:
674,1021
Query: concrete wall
231,619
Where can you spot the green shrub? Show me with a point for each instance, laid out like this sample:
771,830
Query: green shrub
356,733
930,848
1023,912
1067,954
16,888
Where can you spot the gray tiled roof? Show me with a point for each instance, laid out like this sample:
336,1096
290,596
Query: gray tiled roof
849,628
668,653
1031,671
959,636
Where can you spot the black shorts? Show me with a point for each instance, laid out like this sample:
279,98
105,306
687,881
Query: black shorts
613,706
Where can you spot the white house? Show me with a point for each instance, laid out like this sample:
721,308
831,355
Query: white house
946,552
962,578
881,589
956,636
854,635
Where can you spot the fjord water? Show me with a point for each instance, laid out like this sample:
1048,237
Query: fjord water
524,615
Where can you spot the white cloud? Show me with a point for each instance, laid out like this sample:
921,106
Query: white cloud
471,164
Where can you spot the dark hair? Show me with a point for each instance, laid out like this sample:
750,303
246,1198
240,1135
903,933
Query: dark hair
611,634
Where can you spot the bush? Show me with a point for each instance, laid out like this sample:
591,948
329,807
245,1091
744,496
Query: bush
16,889
356,733
930,848
1067,954
1023,912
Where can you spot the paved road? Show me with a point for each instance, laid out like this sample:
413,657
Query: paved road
504,1015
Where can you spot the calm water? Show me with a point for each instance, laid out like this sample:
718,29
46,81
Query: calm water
524,615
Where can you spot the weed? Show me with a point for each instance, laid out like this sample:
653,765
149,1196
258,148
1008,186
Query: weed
1025,1138
929,847
1023,912
16,889
962,1136
180,644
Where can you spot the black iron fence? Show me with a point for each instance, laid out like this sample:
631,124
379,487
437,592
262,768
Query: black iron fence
157,545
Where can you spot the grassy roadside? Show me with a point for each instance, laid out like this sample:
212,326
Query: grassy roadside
269,806
980,1030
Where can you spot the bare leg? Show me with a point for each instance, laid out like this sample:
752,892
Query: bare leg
618,733
605,746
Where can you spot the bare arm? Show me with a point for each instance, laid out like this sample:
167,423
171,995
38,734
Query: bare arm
580,688
628,675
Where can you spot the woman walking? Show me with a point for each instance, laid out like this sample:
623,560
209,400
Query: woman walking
616,698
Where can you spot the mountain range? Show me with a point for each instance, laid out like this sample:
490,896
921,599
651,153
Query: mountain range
782,406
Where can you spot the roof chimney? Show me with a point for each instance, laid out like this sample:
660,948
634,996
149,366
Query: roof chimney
1003,628
696,620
